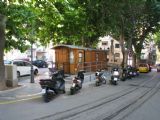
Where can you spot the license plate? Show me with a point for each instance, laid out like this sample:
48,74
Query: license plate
43,91
115,79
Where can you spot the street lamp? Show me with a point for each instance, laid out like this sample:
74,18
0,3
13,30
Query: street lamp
32,71
107,57
30,25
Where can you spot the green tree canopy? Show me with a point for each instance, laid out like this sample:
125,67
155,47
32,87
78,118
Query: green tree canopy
79,22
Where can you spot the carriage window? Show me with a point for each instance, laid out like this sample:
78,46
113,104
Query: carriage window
80,57
96,56
71,57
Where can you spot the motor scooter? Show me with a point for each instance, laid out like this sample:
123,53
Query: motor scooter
76,85
135,72
52,87
129,72
77,82
115,76
100,78
124,74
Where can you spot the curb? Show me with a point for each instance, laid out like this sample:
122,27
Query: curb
29,96
13,89
22,86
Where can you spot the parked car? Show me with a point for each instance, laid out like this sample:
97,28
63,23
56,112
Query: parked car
158,67
23,67
40,63
7,62
143,67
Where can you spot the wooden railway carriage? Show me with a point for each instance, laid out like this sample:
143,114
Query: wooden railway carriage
72,58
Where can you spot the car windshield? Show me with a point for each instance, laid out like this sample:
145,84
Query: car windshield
7,62
142,65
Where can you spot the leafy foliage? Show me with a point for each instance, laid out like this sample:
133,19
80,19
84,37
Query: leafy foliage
146,23
79,22
19,17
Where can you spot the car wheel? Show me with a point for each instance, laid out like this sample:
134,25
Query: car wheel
35,72
18,74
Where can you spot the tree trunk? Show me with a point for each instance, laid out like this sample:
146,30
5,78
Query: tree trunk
123,64
2,44
138,53
134,64
138,61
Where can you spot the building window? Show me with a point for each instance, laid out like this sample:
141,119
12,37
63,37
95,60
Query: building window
115,60
142,55
97,57
80,57
105,43
117,45
117,54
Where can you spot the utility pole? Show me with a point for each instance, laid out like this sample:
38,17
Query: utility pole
32,71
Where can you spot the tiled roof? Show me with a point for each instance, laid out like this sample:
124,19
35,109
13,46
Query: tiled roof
73,47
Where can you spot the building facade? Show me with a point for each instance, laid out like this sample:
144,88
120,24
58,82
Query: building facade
39,52
114,55
149,53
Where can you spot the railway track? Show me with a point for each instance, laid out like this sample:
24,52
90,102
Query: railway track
113,107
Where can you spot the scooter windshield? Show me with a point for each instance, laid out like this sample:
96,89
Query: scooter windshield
116,73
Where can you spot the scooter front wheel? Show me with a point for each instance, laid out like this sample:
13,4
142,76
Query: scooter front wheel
104,81
115,82
72,91
97,84
123,79
64,91
46,97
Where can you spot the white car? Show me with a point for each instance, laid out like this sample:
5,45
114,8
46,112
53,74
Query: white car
158,67
24,67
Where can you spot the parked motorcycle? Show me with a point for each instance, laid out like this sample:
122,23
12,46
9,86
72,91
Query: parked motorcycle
54,71
51,87
115,76
77,82
100,78
124,75
76,85
129,72
132,72
135,72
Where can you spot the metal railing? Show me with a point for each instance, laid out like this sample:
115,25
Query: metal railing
91,66
85,66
